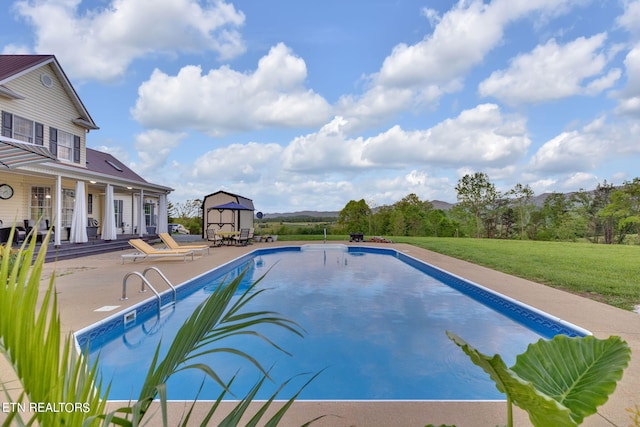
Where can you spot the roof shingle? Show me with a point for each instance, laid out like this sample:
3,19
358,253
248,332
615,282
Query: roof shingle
11,65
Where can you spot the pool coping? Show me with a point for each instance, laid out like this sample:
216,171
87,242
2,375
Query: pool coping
88,284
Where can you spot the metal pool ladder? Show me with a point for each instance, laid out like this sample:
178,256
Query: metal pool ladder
143,277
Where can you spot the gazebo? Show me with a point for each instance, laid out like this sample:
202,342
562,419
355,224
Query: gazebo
228,216
224,211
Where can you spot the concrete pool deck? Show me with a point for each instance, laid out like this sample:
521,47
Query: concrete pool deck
89,290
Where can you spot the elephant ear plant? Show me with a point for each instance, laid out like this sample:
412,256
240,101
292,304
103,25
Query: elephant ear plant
48,371
558,382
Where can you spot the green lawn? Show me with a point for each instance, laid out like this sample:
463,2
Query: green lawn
606,273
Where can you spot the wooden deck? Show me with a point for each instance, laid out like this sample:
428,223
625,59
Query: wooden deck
67,250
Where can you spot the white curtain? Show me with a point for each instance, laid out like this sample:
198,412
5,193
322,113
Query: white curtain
163,216
109,217
78,233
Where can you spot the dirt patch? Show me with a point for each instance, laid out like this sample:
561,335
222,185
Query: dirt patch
66,271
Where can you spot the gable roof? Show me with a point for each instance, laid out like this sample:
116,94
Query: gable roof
14,66
105,163
239,199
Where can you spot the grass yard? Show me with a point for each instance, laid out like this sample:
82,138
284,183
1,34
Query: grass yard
606,273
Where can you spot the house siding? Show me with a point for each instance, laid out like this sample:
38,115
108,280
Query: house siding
37,105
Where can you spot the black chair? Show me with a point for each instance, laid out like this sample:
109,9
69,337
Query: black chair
43,228
243,238
18,235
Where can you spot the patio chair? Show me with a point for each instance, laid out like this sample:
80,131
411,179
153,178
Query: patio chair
172,244
212,236
243,238
18,235
41,231
251,234
145,250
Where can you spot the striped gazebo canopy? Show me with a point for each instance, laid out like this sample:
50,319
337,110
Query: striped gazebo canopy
14,153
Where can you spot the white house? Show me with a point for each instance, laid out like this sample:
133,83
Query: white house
46,170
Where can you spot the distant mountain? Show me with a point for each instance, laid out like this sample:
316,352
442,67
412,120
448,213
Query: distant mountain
439,204
312,214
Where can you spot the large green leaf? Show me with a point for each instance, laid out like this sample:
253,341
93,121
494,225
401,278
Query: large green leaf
579,373
560,381
518,390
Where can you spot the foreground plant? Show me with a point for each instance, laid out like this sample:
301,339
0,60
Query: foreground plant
67,390
59,385
558,382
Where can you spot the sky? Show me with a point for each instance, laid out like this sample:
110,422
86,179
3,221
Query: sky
306,105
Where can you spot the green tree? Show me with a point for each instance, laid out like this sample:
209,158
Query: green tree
624,208
414,213
354,217
605,221
556,214
381,220
439,224
521,196
188,209
477,194
589,205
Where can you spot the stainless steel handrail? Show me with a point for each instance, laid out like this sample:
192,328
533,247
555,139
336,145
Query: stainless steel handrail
144,282
157,270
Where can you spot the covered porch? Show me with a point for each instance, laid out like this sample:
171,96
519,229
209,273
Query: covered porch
83,206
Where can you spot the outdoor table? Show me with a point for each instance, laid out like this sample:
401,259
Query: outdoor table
227,236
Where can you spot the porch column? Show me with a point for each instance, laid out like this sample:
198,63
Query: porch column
58,216
163,214
141,214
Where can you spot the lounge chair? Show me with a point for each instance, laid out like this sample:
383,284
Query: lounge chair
145,250
243,238
212,236
172,244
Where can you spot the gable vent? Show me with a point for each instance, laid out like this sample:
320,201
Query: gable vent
46,80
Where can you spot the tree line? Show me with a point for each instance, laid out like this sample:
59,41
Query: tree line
609,214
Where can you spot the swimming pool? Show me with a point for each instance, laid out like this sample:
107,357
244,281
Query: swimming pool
374,318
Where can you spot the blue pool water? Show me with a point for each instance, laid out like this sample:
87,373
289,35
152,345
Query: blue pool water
375,321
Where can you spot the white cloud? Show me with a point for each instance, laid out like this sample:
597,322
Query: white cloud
154,147
553,71
224,100
101,43
480,137
585,149
329,149
630,19
419,74
237,162
477,137
629,97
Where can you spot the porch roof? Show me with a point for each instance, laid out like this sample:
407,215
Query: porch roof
14,153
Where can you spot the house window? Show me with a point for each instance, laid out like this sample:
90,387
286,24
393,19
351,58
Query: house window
64,145
149,213
22,129
40,203
90,204
68,202
118,207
